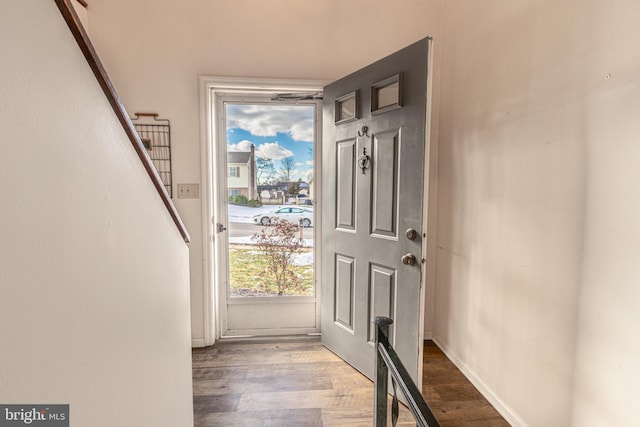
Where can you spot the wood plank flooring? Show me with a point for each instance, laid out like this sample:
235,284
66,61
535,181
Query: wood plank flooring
455,402
299,383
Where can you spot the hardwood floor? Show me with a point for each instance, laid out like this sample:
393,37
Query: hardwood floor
455,402
298,382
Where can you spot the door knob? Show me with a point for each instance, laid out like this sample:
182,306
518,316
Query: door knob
409,259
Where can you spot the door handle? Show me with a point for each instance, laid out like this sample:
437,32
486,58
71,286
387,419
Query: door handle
409,259
220,227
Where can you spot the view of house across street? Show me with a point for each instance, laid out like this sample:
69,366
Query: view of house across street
270,152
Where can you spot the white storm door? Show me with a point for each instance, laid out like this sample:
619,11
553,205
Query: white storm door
371,204
253,131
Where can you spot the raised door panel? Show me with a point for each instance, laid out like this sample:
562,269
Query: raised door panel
382,295
384,188
344,292
345,185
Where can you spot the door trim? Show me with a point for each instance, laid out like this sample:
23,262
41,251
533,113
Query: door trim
429,216
209,87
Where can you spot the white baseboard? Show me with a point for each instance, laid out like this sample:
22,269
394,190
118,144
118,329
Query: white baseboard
197,342
505,410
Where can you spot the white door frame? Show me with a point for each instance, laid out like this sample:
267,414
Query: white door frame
209,87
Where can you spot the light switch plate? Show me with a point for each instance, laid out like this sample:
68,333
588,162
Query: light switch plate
188,191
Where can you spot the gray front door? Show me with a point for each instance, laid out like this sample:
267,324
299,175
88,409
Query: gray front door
374,146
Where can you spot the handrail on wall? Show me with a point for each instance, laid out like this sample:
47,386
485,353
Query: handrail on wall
387,360
82,38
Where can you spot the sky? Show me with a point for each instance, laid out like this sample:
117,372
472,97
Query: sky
277,131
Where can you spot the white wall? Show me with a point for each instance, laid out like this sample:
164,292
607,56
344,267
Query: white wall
154,52
537,265
94,298
607,374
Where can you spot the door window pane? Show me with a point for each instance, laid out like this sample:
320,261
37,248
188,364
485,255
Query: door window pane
386,95
346,108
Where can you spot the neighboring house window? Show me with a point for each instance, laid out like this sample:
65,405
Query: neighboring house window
234,193
234,171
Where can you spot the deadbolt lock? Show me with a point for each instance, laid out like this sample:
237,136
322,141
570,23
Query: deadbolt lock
411,234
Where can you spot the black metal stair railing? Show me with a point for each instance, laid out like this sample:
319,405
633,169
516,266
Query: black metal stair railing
387,361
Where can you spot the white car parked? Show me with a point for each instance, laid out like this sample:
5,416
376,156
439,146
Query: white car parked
296,215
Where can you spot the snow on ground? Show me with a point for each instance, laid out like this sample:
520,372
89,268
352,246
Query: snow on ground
246,240
244,214
304,258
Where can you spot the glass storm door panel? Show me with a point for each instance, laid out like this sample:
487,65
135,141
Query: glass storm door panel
266,214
